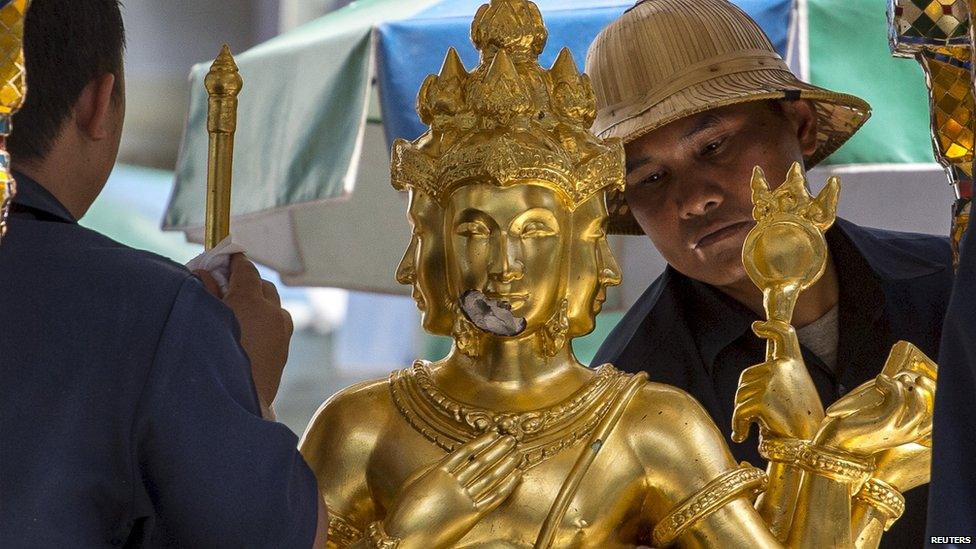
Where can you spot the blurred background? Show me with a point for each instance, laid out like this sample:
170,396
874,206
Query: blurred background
345,336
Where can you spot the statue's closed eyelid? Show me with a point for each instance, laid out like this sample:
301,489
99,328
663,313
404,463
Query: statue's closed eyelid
471,228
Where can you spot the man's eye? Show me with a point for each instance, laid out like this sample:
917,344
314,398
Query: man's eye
651,180
472,230
712,147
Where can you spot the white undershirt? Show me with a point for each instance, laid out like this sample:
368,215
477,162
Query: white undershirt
821,336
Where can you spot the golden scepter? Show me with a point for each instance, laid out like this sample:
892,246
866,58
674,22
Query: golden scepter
223,83
12,92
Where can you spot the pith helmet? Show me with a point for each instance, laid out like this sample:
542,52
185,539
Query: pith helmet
664,60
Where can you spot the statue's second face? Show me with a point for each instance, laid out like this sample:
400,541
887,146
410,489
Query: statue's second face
422,266
592,267
510,244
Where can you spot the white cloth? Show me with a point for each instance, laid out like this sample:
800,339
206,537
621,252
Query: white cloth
217,261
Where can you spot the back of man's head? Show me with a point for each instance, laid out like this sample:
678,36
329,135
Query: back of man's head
66,46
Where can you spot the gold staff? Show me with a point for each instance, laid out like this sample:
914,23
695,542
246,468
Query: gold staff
12,92
223,83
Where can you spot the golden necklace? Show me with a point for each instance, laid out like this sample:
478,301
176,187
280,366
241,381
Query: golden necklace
540,434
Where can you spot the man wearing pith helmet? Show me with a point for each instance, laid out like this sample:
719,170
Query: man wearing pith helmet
699,96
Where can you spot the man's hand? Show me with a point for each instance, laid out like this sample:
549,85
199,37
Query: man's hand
777,394
266,328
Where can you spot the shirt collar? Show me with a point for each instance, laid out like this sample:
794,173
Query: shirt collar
887,260
31,194
716,320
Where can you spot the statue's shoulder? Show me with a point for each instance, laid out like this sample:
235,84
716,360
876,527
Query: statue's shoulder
361,398
660,412
664,404
359,408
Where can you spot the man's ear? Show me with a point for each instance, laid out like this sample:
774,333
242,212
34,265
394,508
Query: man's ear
804,117
94,108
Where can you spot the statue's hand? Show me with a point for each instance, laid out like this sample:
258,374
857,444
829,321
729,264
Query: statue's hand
905,466
887,413
439,505
778,394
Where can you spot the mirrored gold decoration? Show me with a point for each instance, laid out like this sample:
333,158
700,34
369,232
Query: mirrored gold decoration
936,33
13,90
509,441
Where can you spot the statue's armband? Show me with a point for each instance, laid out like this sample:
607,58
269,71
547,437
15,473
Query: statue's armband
744,480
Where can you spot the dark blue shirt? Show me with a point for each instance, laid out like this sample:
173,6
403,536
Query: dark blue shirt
893,286
127,409
953,505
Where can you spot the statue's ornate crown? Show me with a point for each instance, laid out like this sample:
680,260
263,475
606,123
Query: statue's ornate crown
509,120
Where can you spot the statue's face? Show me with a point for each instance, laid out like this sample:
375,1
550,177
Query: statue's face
422,266
592,267
510,244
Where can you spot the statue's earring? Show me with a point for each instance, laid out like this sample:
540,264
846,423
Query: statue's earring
554,333
467,336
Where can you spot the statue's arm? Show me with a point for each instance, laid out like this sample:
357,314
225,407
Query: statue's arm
699,497
337,445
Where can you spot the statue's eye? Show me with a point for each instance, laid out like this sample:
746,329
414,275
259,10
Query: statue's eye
472,229
537,229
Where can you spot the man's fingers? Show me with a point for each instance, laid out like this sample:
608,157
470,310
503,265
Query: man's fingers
270,292
466,452
289,323
209,282
485,460
243,273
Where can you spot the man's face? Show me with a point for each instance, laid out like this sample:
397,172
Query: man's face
688,182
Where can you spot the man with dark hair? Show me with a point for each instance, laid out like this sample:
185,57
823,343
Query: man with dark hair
131,398
699,97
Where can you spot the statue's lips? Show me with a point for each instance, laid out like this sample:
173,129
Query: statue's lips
419,299
491,315
720,233
511,301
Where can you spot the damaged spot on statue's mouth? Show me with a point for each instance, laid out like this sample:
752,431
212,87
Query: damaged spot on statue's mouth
491,315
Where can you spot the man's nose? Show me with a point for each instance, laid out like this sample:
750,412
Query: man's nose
698,198
505,266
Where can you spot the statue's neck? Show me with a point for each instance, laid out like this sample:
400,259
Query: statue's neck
512,373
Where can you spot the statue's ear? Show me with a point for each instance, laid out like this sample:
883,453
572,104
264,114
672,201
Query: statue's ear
823,210
762,199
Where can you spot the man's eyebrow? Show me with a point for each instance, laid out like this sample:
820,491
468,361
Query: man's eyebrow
633,164
703,123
